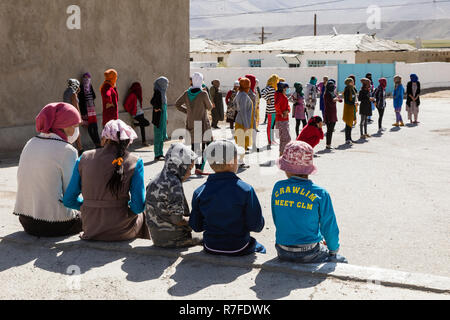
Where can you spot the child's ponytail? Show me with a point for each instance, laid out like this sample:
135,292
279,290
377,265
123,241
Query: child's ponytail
115,183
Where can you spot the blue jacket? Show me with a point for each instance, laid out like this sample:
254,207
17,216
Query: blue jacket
73,200
227,210
399,92
303,214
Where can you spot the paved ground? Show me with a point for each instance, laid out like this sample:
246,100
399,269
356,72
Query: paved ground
390,194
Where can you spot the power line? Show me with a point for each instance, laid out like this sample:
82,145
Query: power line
275,11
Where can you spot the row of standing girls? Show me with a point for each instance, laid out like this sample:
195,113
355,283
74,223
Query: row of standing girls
82,96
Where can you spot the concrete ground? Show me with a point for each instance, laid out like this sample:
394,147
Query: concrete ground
390,194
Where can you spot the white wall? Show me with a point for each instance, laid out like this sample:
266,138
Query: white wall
227,76
431,74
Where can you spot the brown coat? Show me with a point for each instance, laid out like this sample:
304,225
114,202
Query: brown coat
104,217
196,110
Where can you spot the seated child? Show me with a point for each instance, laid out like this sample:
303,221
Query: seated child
312,133
302,211
166,207
226,208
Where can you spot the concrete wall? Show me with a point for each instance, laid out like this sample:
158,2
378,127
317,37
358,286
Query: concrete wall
431,74
227,76
141,39
404,56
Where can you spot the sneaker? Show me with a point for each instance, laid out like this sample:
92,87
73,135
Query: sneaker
160,158
329,147
363,137
368,135
244,166
395,124
402,124
349,142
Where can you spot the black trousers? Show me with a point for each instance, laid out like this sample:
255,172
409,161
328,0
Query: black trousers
330,129
348,133
142,123
380,118
40,228
93,133
297,125
196,149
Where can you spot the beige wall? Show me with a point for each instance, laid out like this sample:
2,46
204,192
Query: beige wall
404,56
141,39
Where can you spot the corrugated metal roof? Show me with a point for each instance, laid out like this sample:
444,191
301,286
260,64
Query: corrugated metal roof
342,42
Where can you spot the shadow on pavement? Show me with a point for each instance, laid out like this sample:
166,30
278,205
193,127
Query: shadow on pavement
270,285
189,280
395,129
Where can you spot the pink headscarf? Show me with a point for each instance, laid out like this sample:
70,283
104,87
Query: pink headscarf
114,126
56,116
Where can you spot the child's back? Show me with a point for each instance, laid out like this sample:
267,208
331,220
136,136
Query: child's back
227,209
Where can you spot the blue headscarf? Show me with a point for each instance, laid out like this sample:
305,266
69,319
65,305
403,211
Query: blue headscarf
281,86
414,77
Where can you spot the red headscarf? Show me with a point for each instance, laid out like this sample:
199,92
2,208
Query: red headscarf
383,82
136,88
252,79
56,116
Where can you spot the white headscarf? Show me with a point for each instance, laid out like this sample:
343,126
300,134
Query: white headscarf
197,80
118,126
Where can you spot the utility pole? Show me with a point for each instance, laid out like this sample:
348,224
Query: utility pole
263,35
315,24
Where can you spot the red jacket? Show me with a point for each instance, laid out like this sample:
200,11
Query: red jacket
110,95
131,104
281,105
311,135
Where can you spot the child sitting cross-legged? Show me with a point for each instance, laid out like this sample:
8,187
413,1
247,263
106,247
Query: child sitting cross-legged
226,208
302,211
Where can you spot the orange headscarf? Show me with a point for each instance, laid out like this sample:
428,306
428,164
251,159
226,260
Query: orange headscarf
244,85
110,78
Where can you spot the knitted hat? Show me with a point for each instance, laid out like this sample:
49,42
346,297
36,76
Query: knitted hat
297,158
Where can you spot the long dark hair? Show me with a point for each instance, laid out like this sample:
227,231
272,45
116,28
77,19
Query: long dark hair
115,183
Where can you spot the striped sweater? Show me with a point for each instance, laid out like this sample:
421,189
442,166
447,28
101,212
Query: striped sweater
268,94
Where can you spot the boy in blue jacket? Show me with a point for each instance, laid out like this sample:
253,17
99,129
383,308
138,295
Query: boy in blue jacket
302,211
226,220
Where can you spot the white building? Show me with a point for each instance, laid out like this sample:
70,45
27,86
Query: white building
307,51
206,53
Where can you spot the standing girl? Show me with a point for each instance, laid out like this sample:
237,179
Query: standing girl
110,97
399,92
369,76
133,104
349,109
195,103
268,94
217,100
380,98
231,107
413,98
87,107
71,96
365,108
159,102
282,117
322,89
298,98
311,97
330,110
245,118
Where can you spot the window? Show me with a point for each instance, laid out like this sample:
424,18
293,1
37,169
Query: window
255,63
294,65
323,63
317,63
219,59
191,59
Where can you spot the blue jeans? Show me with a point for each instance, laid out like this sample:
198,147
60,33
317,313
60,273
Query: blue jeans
319,254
